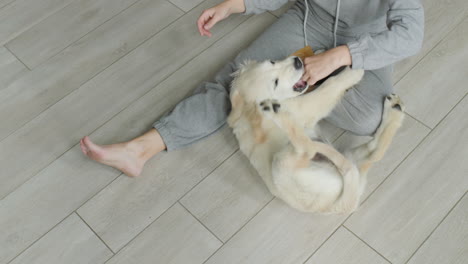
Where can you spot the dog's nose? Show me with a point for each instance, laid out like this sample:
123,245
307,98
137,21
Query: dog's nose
297,63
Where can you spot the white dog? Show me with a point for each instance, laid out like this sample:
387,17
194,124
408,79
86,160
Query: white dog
270,116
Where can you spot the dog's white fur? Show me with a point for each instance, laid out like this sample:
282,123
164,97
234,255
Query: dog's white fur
270,120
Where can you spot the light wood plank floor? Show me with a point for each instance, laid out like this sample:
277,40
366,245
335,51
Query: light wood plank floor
109,69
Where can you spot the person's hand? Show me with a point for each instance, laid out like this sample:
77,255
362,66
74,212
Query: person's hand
321,65
213,15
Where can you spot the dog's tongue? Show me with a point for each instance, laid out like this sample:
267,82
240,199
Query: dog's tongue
300,85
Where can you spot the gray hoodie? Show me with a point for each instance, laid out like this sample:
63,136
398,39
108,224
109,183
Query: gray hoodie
384,31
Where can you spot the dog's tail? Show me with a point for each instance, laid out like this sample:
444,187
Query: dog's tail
351,192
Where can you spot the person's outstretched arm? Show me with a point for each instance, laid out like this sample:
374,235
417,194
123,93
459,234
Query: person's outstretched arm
260,6
405,22
213,15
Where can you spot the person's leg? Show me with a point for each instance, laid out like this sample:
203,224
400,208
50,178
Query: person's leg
360,110
128,157
206,110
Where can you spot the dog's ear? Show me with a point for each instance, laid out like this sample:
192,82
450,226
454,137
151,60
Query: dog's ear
248,62
243,67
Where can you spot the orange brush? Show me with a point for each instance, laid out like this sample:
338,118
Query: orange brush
304,52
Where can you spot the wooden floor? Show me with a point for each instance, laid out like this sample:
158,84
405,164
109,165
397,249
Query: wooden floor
110,68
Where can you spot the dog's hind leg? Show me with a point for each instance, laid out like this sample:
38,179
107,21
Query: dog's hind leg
314,106
237,107
302,144
367,154
305,149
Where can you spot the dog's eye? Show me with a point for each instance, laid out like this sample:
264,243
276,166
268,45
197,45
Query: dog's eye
276,82
272,62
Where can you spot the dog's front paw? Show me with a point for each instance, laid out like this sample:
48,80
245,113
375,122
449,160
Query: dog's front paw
393,101
351,76
393,111
270,106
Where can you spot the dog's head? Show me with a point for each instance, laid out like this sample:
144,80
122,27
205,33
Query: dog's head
279,80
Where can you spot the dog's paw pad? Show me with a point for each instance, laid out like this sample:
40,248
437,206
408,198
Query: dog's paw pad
276,107
393,101
397,107
268,105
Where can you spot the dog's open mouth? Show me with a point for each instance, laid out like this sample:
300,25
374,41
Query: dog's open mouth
300,86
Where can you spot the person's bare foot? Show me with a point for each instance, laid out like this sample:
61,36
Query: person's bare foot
128,157
120,156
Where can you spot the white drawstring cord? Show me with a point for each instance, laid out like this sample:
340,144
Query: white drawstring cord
335,27
305,23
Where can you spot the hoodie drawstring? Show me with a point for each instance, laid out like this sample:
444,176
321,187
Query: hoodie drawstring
335,26
305,23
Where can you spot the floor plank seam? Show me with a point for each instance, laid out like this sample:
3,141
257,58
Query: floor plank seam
325,241
370,194
396,167
195,6
399,164
362,240
238,230
39,238
216,167
90,31
437,226
75,210
94,195
455,105
430,50
7,4
388,175
14,55
143,230
200,222
176,6
97,73
129,104
411,152
43,168
15,35
96,234
162,213
419,121
130,51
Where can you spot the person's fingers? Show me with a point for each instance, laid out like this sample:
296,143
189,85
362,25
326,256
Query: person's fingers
305,77
311,81
202,20
211,22
199,26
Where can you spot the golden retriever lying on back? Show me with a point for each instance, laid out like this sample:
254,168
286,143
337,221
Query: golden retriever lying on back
269,118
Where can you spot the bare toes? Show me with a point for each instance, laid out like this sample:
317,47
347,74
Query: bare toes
83,148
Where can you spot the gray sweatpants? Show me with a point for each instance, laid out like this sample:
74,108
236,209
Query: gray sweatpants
206,110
